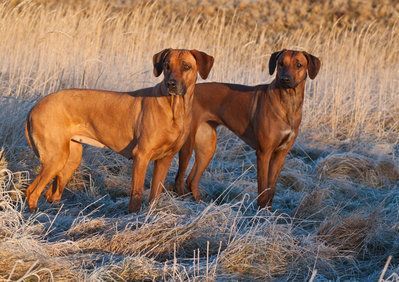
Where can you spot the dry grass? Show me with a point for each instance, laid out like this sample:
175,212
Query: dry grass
330,219
348,234
261,252
311,206
132,268
358,168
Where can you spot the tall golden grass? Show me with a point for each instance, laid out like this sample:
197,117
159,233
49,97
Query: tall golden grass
336,212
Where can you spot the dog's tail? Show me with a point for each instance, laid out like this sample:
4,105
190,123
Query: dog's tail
2,154
28,134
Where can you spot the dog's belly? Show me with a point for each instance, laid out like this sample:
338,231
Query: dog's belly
87,140
124,144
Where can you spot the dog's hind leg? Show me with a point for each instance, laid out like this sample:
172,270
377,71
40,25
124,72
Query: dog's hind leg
55,191
53,151
205,146
184,159
49,169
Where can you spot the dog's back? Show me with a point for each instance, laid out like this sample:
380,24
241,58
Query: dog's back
222,102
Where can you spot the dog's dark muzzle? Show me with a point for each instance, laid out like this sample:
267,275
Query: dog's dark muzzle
175,88
286,82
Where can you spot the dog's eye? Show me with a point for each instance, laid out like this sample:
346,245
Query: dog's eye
281,64
186,67
298,65
166,66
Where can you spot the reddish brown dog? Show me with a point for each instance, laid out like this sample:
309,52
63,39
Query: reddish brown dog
148,124
266,117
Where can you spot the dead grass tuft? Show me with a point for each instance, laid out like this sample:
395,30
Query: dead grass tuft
94,226
260,253
349,235
160,232
27,260
138,268
388,169
311,206
357,168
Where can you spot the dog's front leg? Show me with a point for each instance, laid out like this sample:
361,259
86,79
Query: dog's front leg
264,192
140,164
161,169
276,164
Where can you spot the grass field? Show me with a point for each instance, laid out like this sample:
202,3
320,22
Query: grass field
336,212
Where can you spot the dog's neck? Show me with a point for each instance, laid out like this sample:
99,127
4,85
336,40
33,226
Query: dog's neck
288,101
181,105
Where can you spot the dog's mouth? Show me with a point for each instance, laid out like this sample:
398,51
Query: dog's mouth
286,84
174,93
178,90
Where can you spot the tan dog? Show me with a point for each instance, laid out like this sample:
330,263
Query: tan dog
148,124
266,117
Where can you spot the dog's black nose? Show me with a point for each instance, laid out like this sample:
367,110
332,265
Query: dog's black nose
285,79
171,83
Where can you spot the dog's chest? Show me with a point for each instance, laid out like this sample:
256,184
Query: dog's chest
174,140
177,142
287,136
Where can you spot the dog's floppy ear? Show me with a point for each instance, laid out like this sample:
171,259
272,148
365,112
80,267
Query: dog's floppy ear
273,61
313,65
204,63
158,60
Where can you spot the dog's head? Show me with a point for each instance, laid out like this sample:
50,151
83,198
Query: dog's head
180,68
293,67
